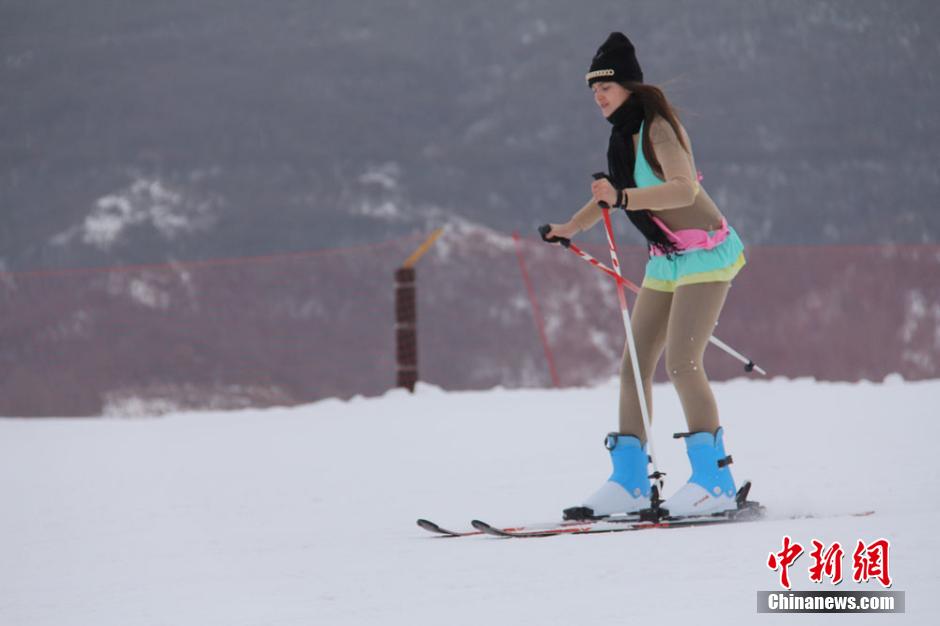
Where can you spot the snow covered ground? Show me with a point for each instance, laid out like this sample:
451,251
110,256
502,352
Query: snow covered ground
306,515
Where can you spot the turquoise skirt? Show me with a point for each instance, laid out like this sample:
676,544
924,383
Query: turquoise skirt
720,264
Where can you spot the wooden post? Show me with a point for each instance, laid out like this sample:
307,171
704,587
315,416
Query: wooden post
406,336
406,314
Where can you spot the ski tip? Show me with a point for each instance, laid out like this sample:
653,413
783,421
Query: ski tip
439,530
431,527
488,529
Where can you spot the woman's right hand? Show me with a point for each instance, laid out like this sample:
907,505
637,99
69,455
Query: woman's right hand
564,231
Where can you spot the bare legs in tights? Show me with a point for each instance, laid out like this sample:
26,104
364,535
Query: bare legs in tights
679,323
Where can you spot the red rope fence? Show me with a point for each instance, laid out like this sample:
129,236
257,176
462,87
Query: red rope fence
294,328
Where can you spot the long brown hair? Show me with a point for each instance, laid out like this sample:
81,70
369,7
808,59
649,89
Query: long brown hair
654,103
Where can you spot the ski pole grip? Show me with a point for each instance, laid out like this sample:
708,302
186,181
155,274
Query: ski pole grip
599,176
544,229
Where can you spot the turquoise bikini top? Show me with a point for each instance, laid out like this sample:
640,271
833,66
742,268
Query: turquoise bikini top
642,172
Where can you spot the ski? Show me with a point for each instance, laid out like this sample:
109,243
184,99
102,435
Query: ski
602,526
606,526
746,511
439,530
577,525
654,517
614,524
431,527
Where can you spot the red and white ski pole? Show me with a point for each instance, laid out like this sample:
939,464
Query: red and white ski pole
749,365
656,476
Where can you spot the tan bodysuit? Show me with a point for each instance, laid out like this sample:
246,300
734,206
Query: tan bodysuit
681,202
682,322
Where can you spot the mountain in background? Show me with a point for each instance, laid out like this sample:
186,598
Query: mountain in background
142,132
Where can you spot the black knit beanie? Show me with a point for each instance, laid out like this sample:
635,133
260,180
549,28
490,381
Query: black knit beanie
615,61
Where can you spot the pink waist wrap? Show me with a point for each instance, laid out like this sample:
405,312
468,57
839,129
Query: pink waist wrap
689,239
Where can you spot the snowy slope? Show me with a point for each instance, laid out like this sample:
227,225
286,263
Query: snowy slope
306,515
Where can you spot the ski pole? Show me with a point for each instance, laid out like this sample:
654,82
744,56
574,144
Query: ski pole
567,243
749,365
656,476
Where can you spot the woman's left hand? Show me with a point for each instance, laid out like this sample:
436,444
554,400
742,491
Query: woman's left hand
603,191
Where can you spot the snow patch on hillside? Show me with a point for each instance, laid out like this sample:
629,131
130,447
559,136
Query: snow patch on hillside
147,201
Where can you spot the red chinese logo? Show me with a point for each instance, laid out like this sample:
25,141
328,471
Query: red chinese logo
828,563
784,559
868,561
871,561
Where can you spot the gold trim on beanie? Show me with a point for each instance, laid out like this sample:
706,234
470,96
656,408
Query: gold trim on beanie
598,73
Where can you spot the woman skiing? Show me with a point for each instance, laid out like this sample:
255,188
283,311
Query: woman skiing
694,254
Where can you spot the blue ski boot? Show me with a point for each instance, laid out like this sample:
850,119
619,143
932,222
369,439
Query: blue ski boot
711,487
628,488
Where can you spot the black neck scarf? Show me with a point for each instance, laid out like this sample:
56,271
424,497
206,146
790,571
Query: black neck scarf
621,159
